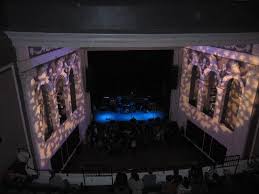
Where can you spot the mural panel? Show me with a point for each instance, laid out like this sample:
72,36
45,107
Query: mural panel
36,51
55,76
233,130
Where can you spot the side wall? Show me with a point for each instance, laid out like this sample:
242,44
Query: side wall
176,114
227,65
44,66
12,128
12,134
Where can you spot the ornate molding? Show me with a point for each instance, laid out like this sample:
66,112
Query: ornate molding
224,68
234,55
36,51
132,41
26,65
246,48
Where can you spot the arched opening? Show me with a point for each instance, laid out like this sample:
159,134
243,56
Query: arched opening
231,104
72,90
61,100
210,98
194,89
46,112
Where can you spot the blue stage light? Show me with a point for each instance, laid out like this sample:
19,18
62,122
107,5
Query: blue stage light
106,116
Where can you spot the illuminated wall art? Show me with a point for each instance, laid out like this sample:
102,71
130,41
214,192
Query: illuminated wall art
223,102
55,103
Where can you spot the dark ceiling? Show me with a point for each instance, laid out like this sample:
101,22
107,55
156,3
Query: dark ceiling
113,16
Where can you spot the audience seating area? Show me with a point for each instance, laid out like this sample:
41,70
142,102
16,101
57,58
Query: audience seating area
215,179
120,137
226,176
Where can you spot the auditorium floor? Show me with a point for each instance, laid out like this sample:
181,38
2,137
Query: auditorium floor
180,153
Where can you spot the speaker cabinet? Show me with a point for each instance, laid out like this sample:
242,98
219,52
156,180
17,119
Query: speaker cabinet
59,159
207,143
195,134
218,151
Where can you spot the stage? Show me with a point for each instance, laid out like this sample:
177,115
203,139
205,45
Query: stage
106,116
180,153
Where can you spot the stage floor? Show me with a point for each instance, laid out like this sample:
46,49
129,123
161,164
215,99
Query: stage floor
106,116
180,153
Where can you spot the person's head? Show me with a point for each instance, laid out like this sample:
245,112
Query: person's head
186,182
135,176
119,178
169,178
215,176
52,173
179,179
176,171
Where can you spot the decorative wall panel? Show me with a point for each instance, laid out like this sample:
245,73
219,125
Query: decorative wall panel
245,48
35,51
224,69
49,75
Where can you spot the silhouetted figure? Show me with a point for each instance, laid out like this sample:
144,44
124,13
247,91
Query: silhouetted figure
196,177
149,180
135,184
170,187
183,186
121,184
176,176
57,181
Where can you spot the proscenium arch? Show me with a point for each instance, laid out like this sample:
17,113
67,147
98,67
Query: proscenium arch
231,103
129,41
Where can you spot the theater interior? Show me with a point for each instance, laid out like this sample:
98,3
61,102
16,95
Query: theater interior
112,89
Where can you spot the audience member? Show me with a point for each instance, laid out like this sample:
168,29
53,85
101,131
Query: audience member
196,174
135,184
121,184
176,176
183,186
170,187
149,180
57,181
119,137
